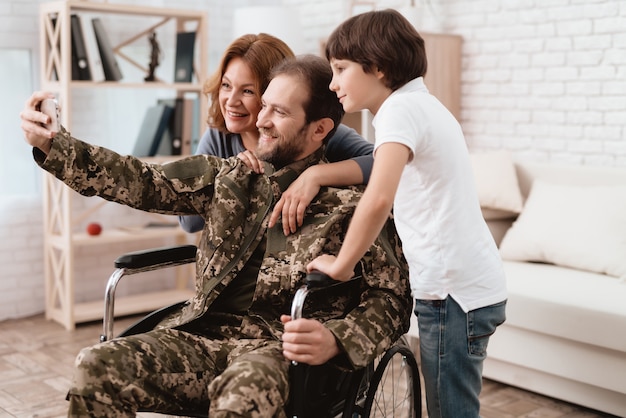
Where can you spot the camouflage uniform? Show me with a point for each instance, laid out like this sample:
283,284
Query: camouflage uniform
235,361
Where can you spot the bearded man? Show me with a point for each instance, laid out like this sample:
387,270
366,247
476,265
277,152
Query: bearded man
229,347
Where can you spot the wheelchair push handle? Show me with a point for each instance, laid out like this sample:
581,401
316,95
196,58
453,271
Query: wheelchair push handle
316,278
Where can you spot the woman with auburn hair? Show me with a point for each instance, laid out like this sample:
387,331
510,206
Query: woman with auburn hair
234,92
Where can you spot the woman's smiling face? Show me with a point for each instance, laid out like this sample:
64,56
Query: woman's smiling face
239,97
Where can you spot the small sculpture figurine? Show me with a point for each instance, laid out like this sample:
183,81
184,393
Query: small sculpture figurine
155,55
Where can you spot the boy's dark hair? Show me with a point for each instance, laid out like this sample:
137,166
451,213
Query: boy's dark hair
316,75
380,40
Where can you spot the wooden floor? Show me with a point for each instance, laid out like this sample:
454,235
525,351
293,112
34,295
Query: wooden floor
36,358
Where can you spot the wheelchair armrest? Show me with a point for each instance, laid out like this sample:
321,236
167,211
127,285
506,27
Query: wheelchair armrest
155,258
139,262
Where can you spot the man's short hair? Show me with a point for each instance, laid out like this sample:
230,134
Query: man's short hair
316,75
380,40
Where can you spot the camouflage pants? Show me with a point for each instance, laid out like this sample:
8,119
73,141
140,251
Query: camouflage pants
171,370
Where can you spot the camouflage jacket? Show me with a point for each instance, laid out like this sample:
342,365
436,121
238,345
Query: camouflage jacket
366,316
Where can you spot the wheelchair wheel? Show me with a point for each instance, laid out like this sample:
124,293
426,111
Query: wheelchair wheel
394,388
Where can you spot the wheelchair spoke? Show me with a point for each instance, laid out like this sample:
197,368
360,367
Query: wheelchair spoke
394,390
394,397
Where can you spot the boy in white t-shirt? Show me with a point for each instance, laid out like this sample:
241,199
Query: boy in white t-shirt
422,168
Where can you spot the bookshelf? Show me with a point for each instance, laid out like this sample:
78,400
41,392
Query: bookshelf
62,239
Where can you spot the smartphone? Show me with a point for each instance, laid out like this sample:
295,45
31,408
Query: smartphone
51,108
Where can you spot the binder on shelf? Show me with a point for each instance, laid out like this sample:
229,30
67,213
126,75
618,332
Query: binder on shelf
196,133
80,64
109,62
166,147
190,124
183,69
177,127
55,74
91,46
178,139
155,123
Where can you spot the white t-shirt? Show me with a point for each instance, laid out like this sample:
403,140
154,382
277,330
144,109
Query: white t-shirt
446,241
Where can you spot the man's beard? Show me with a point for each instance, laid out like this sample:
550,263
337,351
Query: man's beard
285,150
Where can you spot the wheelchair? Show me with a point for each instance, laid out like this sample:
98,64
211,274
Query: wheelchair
387,387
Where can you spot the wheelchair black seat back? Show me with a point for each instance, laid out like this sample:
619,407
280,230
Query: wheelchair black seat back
387,387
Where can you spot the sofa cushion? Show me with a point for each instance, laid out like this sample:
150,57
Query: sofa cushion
573,304
582,227
496,184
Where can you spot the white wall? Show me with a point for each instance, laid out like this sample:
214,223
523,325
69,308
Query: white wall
545,79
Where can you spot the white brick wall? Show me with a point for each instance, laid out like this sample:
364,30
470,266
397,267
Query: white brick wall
545,79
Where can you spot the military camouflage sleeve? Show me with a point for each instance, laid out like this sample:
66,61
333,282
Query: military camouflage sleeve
180,187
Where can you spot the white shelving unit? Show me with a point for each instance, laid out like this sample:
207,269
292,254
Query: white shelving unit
61,239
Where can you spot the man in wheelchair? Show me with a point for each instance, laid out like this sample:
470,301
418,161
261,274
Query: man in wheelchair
228,349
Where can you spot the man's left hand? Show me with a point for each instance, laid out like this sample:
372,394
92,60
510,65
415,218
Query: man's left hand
308,341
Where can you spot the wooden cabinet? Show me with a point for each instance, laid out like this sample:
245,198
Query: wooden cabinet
62,239
443,76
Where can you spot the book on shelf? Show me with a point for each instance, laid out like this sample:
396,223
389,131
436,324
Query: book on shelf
196,134
177,126
109,62
54,76
165,148
91,47
183,69
80,63
190,125
178,138
154,124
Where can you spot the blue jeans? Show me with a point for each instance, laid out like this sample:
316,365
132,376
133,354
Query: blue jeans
453,346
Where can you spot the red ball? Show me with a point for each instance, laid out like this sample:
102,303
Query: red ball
94,228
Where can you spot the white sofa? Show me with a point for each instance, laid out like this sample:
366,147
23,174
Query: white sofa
565,333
